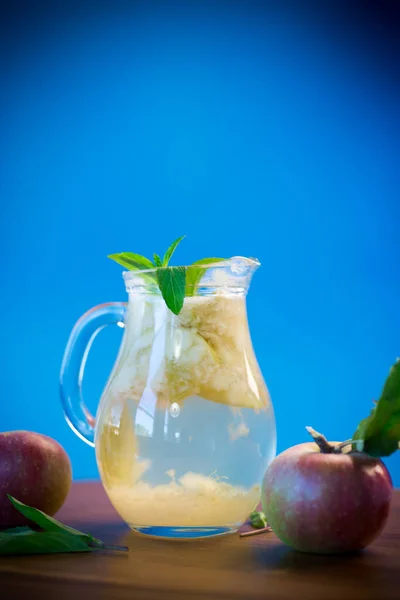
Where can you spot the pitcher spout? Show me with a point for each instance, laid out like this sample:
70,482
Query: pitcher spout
242,265
234,273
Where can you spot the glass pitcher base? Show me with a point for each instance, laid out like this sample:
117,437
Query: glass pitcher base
182,533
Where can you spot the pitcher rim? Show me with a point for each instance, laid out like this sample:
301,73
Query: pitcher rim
222,264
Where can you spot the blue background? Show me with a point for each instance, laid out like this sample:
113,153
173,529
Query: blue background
259,129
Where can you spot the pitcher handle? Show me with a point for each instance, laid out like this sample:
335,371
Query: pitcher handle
73,365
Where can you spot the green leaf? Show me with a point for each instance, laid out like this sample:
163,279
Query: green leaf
171,250
157,260
195,273
380,431
16,530
132,261
45,542
171,281
55,538
49,523
258,519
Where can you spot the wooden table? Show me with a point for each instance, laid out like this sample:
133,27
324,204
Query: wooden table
220,568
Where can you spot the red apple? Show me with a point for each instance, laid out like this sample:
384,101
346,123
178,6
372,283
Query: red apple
325,502
36,470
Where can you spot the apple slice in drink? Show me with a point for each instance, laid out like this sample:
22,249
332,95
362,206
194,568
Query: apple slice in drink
187,360
192,367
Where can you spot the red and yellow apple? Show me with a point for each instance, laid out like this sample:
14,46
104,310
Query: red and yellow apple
326,502
36,470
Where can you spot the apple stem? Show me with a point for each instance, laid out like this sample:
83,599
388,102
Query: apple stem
321,441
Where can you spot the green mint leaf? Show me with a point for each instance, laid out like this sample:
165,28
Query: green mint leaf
195,273
258,519
46,542
49,523
157,260
171,250
380,431
172,281
132,261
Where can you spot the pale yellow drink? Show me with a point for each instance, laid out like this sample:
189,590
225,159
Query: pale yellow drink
185,426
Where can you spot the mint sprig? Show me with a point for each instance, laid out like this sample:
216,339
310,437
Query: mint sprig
174,282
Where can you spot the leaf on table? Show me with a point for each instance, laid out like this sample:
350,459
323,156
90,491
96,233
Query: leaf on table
258,519
380,431
55,537
49,523
15,530
41,542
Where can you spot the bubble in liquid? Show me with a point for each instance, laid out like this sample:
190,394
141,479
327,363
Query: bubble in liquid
174,410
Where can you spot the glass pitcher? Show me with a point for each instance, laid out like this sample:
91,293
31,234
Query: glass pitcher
185,427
